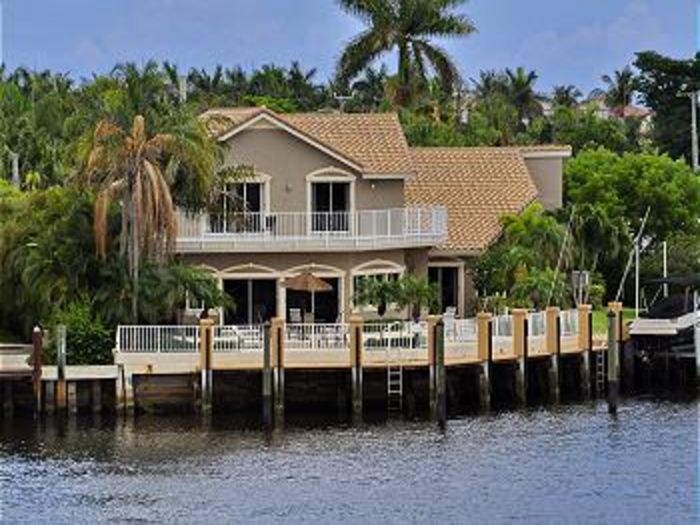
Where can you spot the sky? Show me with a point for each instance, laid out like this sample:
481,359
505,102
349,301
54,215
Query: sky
565,41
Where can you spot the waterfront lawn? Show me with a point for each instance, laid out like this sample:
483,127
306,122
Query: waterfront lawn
600,319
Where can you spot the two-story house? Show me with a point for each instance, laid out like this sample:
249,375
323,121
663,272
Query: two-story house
343,196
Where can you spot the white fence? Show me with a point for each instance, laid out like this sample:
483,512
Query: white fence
404,335
307,336
382,336
239,338
157,339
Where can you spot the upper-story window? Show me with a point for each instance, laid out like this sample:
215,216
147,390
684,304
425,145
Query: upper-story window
241,208
330,206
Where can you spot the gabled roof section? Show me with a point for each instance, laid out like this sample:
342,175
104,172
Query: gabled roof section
375,139
372,143
477,185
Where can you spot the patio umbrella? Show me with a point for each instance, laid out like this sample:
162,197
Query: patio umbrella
307,282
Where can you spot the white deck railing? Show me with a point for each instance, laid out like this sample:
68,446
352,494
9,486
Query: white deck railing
568,322
307,336
313,230
239,338
460,331
404,335
157,339
537,324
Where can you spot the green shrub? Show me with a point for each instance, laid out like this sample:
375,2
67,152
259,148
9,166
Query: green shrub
596,294
88,340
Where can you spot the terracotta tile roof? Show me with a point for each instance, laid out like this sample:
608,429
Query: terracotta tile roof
477,185
374,141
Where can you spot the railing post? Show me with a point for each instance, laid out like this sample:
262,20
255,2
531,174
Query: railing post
37,349
553,348
520,349
61,390
584,343
277,344
356,354
485,349
206,344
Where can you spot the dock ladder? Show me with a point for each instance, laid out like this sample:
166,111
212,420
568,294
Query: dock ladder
394,377
600,372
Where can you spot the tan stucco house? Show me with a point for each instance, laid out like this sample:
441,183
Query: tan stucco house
343,196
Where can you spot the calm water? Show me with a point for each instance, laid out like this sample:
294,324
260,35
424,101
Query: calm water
560,465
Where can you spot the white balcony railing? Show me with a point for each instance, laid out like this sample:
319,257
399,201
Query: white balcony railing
365,229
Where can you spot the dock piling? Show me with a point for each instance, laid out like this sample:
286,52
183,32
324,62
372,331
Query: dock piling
520,347
441,377
206,344
432,366
61,390
585,344
277,343
553,338
356,344
267,379
613,369
485,349
37,349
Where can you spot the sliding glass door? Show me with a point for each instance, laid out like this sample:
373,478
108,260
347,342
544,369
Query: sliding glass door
330,206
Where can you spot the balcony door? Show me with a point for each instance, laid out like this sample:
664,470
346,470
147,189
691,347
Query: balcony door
243,207
330,206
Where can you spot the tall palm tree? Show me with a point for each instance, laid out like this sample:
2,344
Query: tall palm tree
406,26
521,91
368,91
620,89
131,166
490,82
567,96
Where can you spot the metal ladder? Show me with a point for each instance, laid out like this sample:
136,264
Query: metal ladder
600,372
394,379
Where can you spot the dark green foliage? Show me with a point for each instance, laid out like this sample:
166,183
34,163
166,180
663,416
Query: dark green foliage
523,264
660,80
48,262
88,340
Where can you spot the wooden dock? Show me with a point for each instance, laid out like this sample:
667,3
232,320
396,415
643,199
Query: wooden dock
435,363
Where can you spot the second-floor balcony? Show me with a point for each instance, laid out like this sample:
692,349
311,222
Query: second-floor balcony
311,231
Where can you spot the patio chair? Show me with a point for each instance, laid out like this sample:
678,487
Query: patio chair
295,315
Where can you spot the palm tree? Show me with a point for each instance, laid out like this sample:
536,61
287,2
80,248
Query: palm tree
490,82
567,96
368,92
408,27
620,89
521,91
129,165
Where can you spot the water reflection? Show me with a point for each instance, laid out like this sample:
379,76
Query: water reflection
565,464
